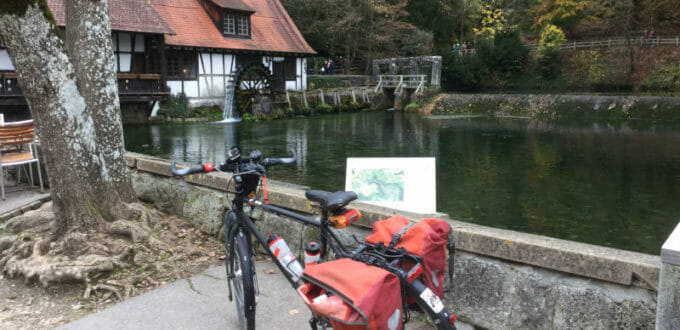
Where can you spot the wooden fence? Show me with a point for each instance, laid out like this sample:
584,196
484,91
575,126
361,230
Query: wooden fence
603,43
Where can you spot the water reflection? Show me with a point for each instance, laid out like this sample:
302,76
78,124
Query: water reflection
609,184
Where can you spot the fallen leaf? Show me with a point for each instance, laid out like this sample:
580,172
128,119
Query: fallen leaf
270,271
212,253
182,235
222,257
293,312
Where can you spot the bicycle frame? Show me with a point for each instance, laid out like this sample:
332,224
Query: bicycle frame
236,220
247,174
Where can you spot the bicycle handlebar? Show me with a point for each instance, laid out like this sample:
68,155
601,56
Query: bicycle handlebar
232,165
189,170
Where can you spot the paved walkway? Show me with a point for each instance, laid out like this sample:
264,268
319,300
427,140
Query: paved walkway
201,302
19,199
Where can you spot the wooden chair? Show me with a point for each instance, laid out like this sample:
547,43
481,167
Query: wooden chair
17,148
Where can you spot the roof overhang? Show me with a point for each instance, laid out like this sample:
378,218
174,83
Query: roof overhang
233,4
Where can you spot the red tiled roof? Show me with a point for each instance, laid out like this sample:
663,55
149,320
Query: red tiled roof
233,4
272,30
125,15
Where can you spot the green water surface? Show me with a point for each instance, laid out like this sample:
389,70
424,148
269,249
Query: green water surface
612,185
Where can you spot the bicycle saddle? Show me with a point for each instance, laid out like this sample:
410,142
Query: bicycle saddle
330,202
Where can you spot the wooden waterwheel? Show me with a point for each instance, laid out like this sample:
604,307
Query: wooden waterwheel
253,80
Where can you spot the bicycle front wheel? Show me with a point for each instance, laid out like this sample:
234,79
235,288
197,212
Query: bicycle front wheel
242,283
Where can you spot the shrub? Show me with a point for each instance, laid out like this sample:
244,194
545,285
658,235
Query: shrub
549,63
412,107
495,60
551,37
663,78
177,106
325,108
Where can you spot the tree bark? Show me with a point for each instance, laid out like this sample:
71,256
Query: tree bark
74,103
88,42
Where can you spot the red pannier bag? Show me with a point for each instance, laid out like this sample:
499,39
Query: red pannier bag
428,238
353,295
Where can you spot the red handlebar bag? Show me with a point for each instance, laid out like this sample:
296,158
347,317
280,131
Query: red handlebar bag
353,295
428,238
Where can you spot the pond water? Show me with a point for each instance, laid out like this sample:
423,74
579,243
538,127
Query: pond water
612,185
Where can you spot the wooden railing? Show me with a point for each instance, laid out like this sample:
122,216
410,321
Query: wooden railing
399,82
9,86
602,43
131,84
618,42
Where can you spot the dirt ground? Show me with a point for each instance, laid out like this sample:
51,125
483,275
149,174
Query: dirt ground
31,306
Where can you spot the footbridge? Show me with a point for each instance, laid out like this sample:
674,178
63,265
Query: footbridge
411,74
399,82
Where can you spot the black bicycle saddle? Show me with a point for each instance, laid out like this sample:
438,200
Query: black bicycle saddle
331,201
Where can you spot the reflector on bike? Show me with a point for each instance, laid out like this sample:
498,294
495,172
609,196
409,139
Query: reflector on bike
346,217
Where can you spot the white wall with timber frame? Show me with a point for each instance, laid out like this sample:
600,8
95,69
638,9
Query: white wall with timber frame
215,70
299,83
5,62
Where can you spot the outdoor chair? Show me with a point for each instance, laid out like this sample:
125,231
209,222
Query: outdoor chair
17,148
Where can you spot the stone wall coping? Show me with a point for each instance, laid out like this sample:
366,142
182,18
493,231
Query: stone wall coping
586,260
670,251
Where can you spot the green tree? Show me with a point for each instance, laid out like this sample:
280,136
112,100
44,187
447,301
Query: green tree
549,57
359,30
493,21
563,13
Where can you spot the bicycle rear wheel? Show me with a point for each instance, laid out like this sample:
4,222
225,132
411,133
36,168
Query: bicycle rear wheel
242,283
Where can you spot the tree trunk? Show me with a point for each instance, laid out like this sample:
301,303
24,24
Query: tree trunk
74,103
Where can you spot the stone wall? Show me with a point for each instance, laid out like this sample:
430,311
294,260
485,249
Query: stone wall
551,107
503,279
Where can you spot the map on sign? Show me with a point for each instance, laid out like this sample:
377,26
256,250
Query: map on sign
402,183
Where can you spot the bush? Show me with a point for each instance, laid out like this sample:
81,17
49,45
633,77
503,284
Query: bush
325,108
494,62
549,63
551,38
412,107
663,78
177,106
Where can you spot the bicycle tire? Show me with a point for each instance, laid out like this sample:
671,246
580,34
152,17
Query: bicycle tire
242,284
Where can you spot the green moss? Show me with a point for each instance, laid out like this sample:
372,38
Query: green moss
325,108
19,7
412,107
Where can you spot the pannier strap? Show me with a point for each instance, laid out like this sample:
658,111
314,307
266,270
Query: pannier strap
397,236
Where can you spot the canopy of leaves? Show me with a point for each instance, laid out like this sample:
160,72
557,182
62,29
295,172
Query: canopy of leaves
551,37
359,30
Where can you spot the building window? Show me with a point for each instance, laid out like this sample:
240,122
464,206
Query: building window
229,24
290,68
182,65
243,26
129,51
236,25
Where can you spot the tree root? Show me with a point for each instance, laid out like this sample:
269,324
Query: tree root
109,288
140,250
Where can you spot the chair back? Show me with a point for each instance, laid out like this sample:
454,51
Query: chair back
15,134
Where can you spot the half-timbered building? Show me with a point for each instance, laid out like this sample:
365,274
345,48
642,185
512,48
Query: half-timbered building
197,47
